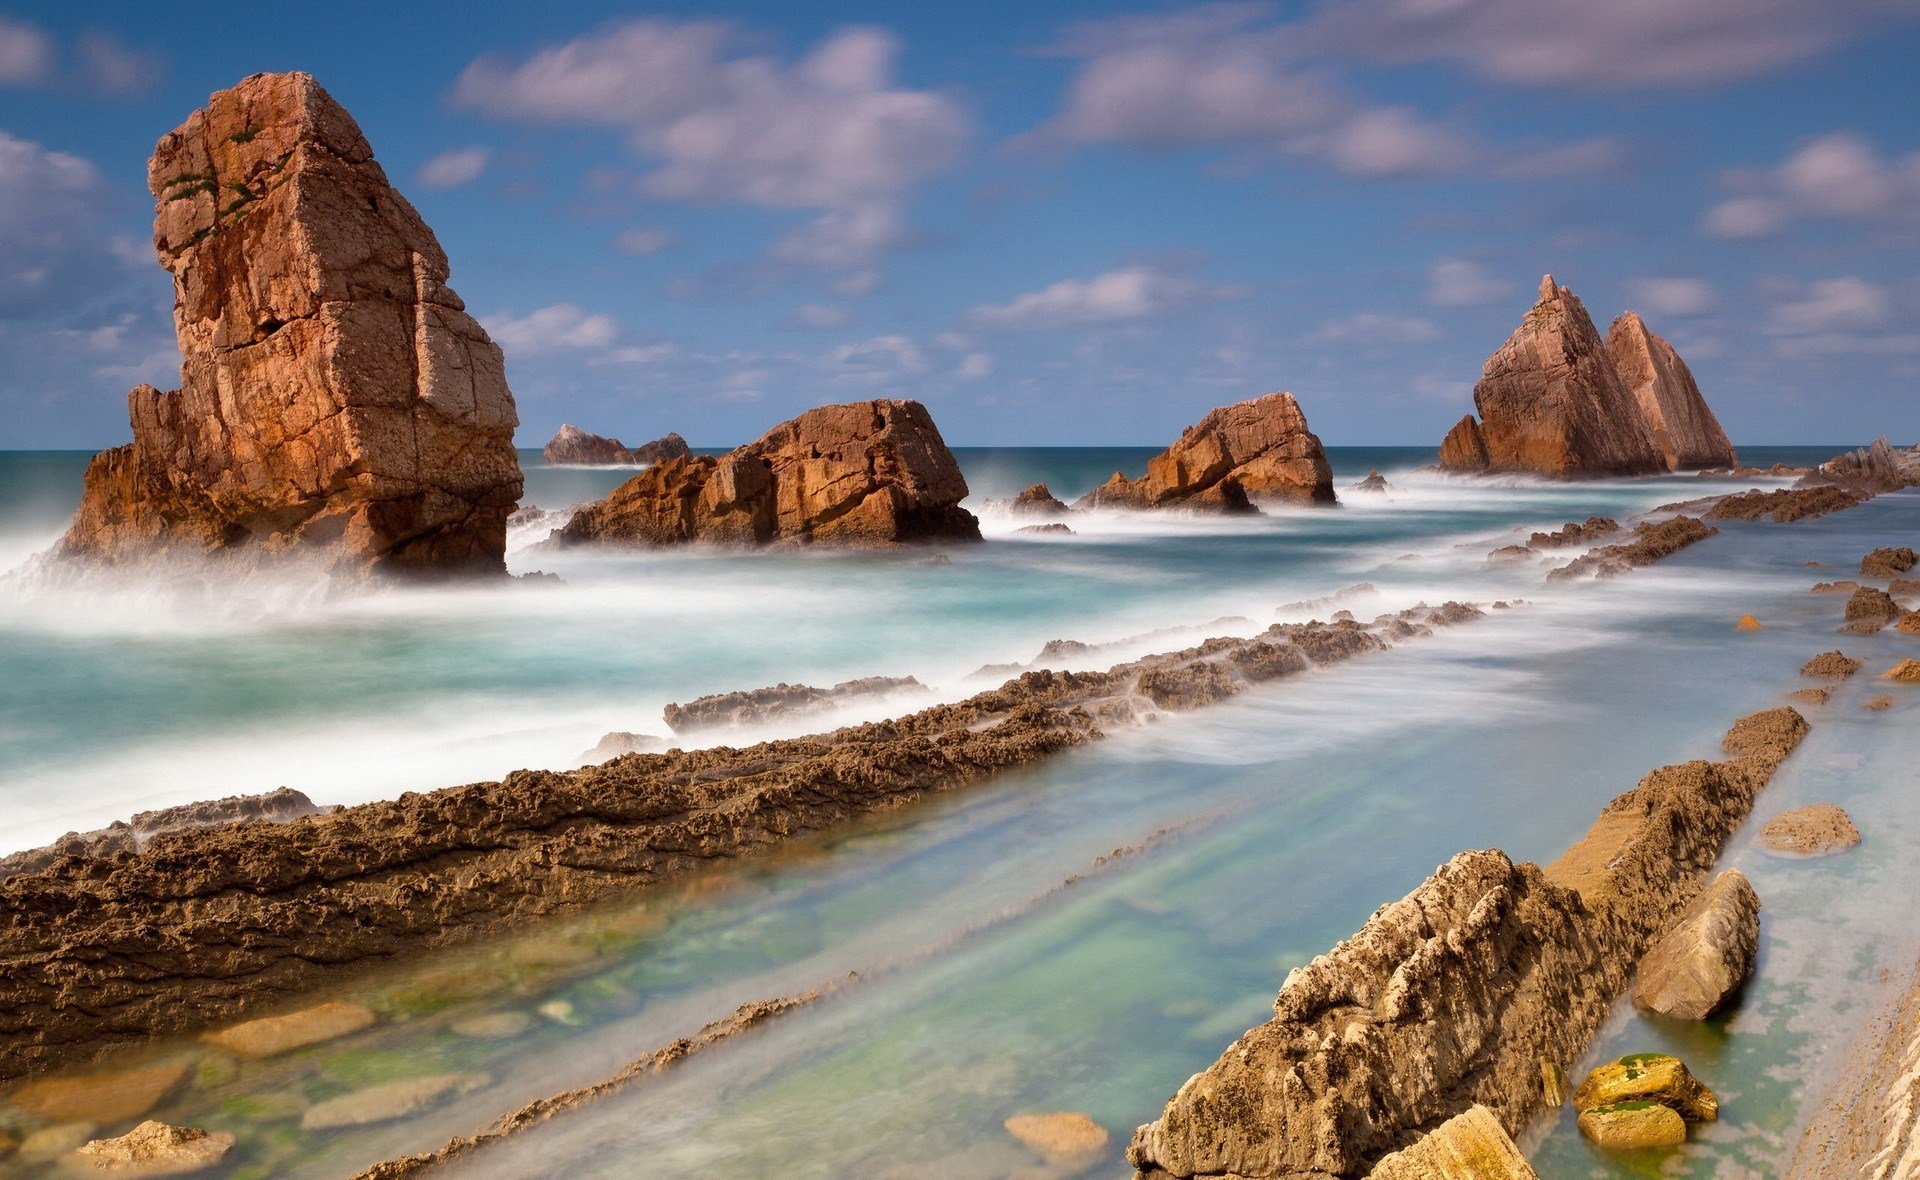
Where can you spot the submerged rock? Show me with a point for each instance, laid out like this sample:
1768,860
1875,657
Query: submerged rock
392,1100
1904,672
157,1149
1706,955
1471,1145
1064,1138
1253,450
1552,402
1685,432
1887,561
1375,482
1810,696
1817,830
1054,529
337,402
1831,663
863,473
1748,623
1572,533
271,1036
110,1097
621,742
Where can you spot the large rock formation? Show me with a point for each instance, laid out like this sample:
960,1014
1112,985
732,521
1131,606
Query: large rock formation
335,399
1685,432
1253,450
572,445
864,473
1706,955
1556,400
1877,467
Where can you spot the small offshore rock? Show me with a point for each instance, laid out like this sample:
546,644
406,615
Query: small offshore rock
1811,696
98,1097
1706,955
1748,623
1830,663
1634,1125
392,1100
1650,1077
1471,1145
1062,1138
1511,555
1904,672
1375,482
271,1036
1879,703
1037,501
1251,450
1575,533
1887,561
1869,610
1054,529
1818,830
158,1149
1844,587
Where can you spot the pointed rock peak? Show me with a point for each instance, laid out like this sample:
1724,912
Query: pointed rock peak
1548,289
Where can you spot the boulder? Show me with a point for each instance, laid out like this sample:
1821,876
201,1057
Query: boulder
1648,1077
863,473
1868,610
1037,501
336,401
157,1149
389,1101
1552,402
1904,672
109,1097
1253,450
1471,1145
1375,482
1887,561
1705,955
1818,830
1685,432
1062,1138
1633,1125
271,1036
1831,663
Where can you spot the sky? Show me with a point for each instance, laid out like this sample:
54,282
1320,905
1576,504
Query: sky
1054,224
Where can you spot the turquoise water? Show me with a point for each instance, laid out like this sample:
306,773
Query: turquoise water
1271,825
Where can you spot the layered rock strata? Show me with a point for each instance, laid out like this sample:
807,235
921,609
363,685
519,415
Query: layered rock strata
733,709
1706,955
1553,402
1867,1127
1684,430
1786,505
195,925
574,446
278,805
863,473
1464,990
336,401
1234,456
1650,543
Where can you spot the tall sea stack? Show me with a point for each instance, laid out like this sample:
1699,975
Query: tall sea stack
1557,400
336,401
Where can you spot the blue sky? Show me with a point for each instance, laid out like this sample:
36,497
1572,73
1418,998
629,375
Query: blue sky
1054,224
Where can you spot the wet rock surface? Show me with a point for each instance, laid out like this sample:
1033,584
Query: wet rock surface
1785,505
1253,450
1818,830
733,709
157,1149
1650,543
337,402
1831,663
863,473
1705,957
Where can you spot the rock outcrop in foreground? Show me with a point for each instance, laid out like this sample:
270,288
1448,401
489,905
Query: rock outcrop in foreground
863,473
1463,991
1704,959
336,400
1236,455
1557,400
572,445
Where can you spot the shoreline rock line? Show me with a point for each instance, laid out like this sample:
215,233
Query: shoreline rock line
194,926
1463,991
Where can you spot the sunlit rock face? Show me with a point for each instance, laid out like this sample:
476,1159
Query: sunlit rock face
1683,427
1259,449
336,400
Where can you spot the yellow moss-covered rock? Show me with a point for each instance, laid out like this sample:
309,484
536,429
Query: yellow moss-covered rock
1633,1125
1652,1077
1471,1145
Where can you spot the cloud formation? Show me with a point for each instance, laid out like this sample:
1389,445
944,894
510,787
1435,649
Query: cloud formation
1674,296
1457,282
1837,175
454,168
1128,293
558,327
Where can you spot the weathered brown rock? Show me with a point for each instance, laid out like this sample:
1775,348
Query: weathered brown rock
1887,561
1706,955
1253,450
336,400
1552,402
1877,467
1817,830
278,805
1037,501
1868,610
271,1036
730,709
863,473
1650,543
1575,533
1831,663
1785,505
1458,993
1471,1145
1375,482
1846,586
574,446
157,1149
1685,432
1748,623
1904,672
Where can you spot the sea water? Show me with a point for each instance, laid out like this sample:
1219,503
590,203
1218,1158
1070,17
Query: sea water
1000,969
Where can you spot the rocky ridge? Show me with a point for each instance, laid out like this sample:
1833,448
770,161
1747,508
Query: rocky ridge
1235,455
572,445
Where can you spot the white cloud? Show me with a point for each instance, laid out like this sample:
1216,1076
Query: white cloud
550,329
1375,328
974,366
828,131
454,168
1456,282
642,242
1837,175
883,360
1129,293
1674,296
1627,43
843,239
108,67
1849,304
820,315
26,53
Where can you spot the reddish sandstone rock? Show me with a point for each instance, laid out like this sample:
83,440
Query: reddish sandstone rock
1887,561
1464,449
336,399
1685,432
1253,450
573,445
1037,501
864,473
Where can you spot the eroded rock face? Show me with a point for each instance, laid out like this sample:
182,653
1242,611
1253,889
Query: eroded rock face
1471,1145
1685,432
1878,467
1816,830
336,399
572,445
1552,402
1887,561
1706,955
1253,450
863,473
157,1149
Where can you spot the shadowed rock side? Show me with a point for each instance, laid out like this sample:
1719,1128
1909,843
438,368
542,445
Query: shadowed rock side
336,399
1552,402
1685,432
863,473
1253,450
278,805
1462,991
197,924
572,445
